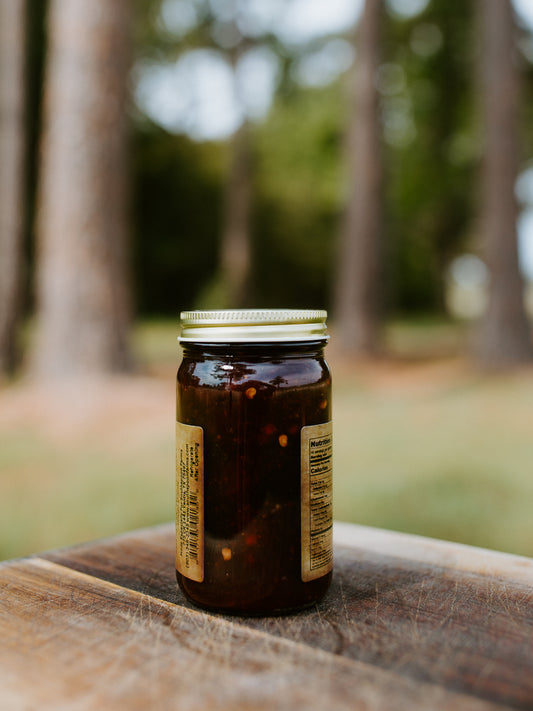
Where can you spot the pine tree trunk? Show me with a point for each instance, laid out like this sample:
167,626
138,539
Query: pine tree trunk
236,248
504,336
83,288
235,255
12,150
358,287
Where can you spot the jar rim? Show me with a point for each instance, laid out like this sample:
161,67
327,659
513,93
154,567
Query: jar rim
253,325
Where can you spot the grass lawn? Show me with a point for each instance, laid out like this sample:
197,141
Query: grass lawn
423,444
451,458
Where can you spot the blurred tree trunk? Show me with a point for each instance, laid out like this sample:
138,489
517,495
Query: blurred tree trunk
83,290
235,257
12,152
504,336
358,286
232,282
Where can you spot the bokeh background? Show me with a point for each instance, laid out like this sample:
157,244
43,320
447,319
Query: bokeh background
371,157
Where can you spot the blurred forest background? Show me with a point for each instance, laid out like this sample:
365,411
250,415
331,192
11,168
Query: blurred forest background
371,157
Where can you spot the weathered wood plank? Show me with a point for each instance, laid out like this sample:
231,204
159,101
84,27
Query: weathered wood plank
437,622
70,641
443,554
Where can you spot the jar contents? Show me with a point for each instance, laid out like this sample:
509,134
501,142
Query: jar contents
253,473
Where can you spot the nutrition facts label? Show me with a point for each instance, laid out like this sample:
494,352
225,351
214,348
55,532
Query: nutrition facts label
189,501
317,504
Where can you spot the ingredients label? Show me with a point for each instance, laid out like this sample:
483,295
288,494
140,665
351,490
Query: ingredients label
317,502
190,501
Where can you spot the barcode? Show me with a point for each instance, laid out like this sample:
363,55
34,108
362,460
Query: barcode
189,501
194,520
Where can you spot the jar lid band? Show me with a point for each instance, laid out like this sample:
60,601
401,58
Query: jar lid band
253,325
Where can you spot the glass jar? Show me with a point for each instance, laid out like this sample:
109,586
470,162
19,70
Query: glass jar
253,460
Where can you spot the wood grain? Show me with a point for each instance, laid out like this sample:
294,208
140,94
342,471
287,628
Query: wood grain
83,643
103,625
443,554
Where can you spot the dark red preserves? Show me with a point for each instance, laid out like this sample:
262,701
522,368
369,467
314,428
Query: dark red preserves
254,503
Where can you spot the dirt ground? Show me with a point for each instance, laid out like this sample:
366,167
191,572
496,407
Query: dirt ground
98,409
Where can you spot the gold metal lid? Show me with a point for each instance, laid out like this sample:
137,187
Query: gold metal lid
253,325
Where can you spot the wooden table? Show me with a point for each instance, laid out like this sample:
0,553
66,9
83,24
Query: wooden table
410,623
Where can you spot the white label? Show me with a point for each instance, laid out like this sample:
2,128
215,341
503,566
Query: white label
317,501
190,501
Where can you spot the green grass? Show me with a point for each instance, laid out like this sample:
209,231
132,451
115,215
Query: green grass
155,343
425,337
52,495
444,453
455,463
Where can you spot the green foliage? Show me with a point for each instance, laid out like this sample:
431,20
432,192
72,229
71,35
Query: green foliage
431,177
299,176
299,198
177,203
299,182
178,197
